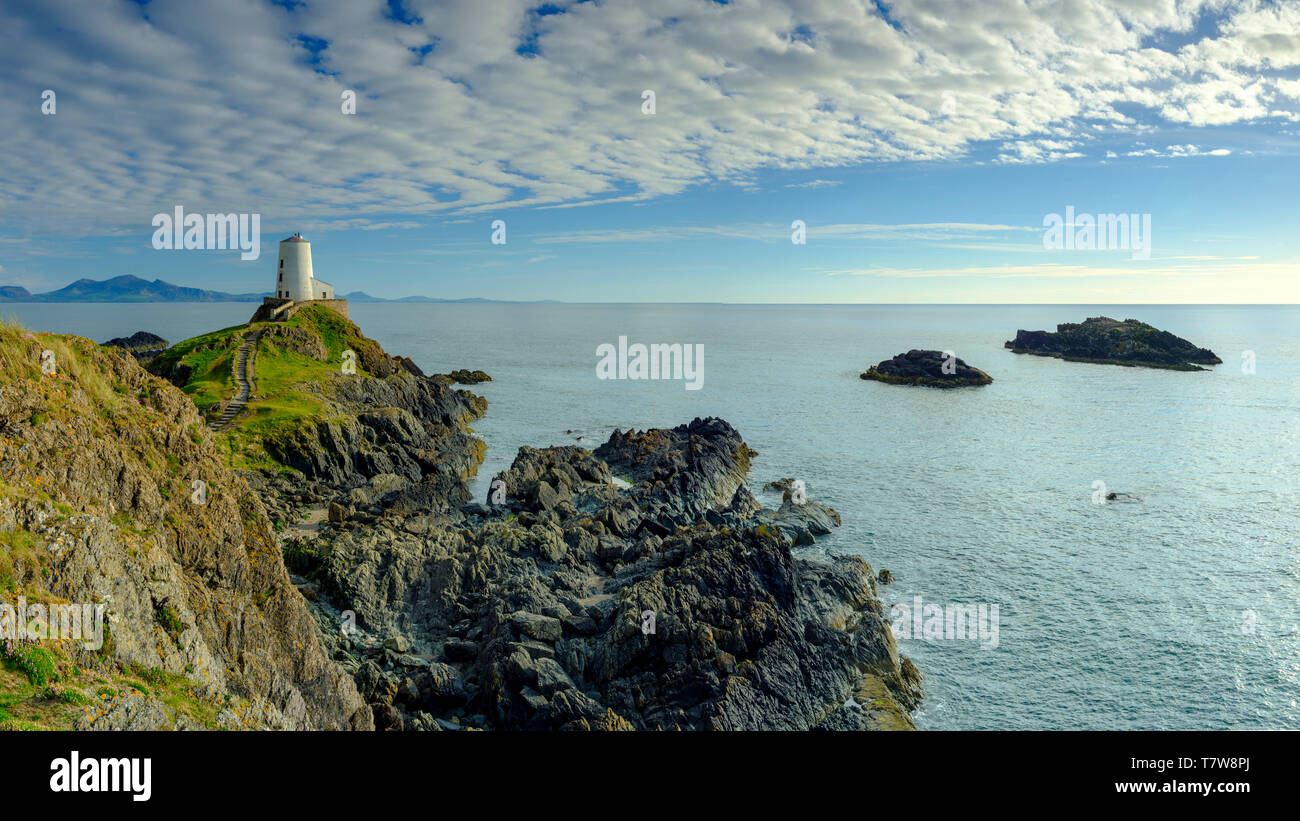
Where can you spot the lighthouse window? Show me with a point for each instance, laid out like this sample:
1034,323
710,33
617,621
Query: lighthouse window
281,265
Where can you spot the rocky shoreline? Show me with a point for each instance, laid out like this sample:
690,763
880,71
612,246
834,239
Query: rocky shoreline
572,604
349,580
639,585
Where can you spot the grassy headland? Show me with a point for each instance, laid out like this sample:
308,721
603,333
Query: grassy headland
295,363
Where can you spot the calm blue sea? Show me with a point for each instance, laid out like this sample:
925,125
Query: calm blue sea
1177,610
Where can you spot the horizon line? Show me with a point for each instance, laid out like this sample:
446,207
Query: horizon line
485,300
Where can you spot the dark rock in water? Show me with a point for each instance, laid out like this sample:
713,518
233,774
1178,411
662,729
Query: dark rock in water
780,485
464,377
140,340
141,344
932,369
885,577
1123,498
1107,341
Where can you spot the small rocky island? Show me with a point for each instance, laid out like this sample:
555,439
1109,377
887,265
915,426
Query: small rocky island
141,344
461,376
931,369
1107,341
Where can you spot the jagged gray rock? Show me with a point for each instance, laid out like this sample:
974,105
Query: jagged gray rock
537,608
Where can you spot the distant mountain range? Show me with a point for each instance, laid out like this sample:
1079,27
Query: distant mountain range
125,288
362,296
128,288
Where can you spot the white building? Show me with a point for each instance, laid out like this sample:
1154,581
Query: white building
293,279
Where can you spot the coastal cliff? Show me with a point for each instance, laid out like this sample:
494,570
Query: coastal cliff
114,493
339,575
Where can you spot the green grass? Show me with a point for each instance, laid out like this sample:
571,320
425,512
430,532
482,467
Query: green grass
279,371
73,697
70,358
288,387
337,332
22,563
37,663
250,442
213,378
170,620
195,347
61,692
210,358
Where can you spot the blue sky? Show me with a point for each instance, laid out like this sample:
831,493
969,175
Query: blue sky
921,142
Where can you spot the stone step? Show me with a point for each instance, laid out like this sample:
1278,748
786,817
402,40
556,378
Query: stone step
241,379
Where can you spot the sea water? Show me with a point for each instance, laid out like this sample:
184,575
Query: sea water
1176,606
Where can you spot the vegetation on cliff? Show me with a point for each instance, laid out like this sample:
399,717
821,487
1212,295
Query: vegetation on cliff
113,493
294,371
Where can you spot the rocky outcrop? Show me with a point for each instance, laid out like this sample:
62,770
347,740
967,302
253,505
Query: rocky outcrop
129,504
1103,340
931,369
296,339
141,344
676,602
679,475
404,425
464,377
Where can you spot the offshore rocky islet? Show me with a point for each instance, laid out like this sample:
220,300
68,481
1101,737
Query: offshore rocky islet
1102,340
930,369
1099,340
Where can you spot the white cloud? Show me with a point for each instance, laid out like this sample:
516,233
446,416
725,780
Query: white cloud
814,184
930,231
1179,151
234,106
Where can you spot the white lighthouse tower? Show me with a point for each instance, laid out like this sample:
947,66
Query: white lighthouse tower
294,278
295,285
